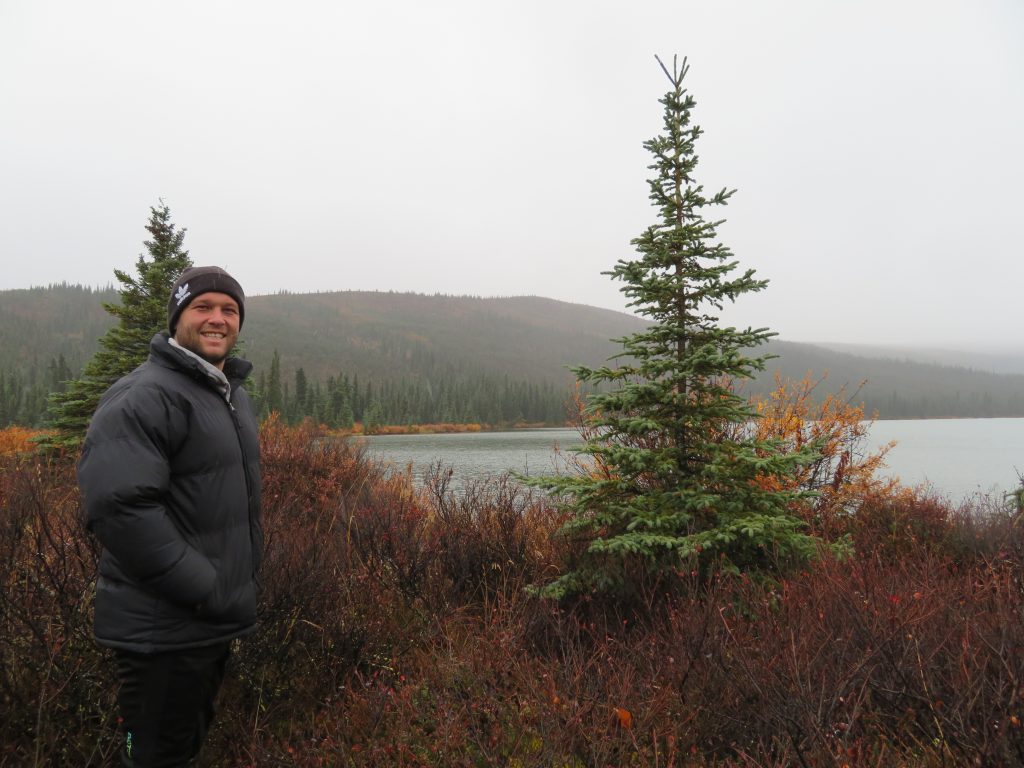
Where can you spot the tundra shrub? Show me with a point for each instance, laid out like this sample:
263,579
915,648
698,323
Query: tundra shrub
56,697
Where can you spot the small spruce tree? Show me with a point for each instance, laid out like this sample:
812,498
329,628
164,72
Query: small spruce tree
671,486
141,313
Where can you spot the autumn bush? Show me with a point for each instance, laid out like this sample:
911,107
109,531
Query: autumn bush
396,630
795,414
15,440
56,702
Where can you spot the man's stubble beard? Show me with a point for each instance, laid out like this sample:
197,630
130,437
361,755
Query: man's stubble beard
192,341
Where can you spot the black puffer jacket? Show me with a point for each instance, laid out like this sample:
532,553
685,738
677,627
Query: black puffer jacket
171,479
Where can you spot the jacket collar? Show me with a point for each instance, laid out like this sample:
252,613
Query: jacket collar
213,374
169,353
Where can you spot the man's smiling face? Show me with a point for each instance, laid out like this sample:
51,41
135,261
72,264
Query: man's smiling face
209,326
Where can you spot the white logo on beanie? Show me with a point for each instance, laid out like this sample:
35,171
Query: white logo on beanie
182,293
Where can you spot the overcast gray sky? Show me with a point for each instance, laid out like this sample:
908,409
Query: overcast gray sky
495,148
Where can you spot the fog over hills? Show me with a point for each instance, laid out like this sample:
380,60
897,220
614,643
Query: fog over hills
383,336
981,359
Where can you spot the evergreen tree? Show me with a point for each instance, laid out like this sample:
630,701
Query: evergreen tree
342,406
142,312
10,397
274,396
678,483
301,395
340,409
58,374
356,398
373,417
317,409
260,396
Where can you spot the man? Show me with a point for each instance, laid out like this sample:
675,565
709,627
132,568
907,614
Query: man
171,480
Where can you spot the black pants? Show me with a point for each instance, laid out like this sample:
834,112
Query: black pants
166,702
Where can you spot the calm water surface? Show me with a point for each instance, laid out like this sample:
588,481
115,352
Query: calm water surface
527,451
958,457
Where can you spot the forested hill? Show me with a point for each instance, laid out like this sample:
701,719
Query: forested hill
390,336
904,388
439,357
39,325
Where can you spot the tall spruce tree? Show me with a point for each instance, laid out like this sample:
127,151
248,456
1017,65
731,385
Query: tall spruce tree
678,483
141,313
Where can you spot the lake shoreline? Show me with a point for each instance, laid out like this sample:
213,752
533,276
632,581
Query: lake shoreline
455,429
442,429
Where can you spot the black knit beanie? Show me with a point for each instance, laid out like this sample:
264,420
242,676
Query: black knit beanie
196,280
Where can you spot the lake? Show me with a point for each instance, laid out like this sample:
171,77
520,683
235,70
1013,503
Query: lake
957,457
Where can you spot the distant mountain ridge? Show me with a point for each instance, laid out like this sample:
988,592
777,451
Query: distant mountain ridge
902,388
980,360
385,336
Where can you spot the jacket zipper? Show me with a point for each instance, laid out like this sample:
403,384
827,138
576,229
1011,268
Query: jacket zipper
248,486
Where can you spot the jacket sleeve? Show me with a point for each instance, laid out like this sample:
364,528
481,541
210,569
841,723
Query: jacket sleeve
124,474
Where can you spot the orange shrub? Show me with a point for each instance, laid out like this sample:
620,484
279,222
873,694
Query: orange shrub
14,440
845,470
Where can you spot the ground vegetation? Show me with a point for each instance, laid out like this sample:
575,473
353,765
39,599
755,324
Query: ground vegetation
397,630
